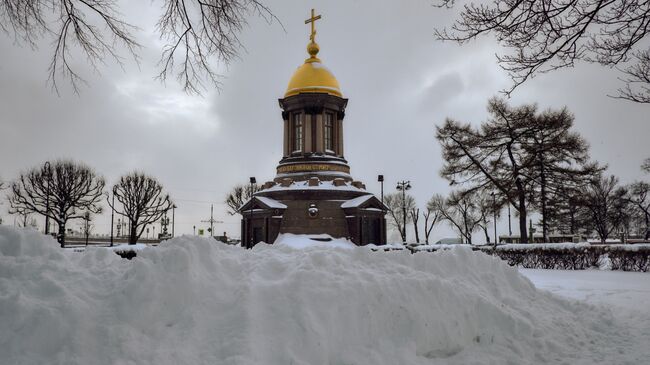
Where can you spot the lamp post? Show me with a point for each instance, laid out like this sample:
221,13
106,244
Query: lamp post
403,186
250,219
173,213
112,215
494,208
380,178
46,166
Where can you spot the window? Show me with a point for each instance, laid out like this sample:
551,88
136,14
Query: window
329,132
297,132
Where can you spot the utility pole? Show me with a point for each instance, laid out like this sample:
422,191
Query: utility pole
212,221
403,186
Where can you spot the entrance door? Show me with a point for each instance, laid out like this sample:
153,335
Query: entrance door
258,235
372,232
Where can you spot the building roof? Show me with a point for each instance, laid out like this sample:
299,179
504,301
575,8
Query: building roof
312,76
271,203
356,202
262,202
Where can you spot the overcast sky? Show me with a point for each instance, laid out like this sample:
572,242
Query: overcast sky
399,80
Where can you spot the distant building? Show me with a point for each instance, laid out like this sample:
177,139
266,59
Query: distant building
313,191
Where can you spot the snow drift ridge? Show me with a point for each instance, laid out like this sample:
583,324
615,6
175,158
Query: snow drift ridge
194,301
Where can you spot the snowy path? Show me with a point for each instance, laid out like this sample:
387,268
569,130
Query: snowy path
628,291
626,294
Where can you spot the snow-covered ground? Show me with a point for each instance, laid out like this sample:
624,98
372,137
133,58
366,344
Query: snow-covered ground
192,300
620,290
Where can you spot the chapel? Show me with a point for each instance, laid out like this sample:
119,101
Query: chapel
313,192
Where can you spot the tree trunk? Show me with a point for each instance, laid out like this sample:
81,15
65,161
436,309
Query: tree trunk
487,236
647,225
415,216
543,201
572,220
133,235
60,237
426,229
523,231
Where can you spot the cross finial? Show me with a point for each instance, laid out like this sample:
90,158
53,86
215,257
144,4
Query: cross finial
312,20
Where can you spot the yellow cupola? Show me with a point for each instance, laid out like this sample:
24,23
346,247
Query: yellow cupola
312,76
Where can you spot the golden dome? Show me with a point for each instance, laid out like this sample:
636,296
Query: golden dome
313,77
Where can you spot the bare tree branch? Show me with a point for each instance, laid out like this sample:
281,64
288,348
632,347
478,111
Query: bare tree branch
197,33
547,35
142,202
62,191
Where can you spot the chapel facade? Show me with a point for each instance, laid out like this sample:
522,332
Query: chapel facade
313,192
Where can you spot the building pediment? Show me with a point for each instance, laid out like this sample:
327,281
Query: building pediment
262,203
364,202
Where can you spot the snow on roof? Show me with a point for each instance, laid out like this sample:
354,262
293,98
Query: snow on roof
271,203
323,185
356,202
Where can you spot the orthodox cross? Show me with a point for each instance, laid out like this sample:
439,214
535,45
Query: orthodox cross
312,20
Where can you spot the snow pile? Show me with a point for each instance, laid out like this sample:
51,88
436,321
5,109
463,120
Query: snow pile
299,241
192,300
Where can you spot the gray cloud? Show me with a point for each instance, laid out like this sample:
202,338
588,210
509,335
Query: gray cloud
400,81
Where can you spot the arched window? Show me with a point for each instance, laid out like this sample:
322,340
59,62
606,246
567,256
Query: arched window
329,132
297,132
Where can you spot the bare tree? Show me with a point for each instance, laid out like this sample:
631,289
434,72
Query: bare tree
489,205
640,199
543,36
396,208
195,33
645,166
567,210
26,220
414,213
431,216
73,189
87,226
606,202
142,202
494,156
462,212
239,195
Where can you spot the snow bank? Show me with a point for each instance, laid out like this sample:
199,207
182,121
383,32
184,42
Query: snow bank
300,241
192,300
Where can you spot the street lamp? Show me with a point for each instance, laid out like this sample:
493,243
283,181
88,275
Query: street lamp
173,220
403,186
250,219
112,214
46,166
380,178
